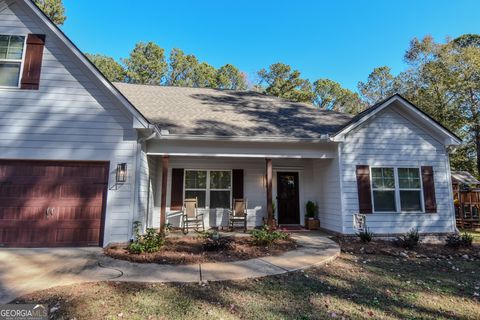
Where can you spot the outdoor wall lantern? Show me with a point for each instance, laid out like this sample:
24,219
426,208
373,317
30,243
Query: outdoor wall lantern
121,173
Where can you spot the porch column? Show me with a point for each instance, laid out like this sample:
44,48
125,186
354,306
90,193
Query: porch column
163,202
269,173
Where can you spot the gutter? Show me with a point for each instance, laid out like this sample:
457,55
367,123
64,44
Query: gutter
165,135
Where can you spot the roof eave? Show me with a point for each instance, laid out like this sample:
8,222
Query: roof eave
450,139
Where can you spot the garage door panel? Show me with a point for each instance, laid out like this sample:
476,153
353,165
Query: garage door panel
73,193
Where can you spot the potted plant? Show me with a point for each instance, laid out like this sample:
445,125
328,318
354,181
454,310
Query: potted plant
311,220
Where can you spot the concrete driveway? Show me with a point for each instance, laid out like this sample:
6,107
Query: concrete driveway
26,270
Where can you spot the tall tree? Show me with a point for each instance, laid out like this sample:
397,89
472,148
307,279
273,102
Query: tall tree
146,64
282,81
444,80
110,68
53,9
205,76
380,84
182,69
330,95
230,77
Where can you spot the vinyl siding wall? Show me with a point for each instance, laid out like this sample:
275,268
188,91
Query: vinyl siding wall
390,139
69,118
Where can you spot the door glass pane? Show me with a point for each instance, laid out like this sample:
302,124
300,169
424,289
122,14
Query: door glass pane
200,195
195,179
410,201
9,74
220,180
219,199
384,201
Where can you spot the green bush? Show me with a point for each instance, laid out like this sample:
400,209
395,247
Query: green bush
409,240
467,239
265,236
459,240
150,242
311,209
365,235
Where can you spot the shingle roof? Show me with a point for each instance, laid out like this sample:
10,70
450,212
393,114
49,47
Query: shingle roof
464,177
212,112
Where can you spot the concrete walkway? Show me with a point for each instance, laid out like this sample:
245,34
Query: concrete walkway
27,270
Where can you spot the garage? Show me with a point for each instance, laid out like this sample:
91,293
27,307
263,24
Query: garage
52,204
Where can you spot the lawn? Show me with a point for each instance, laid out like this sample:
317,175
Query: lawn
358,286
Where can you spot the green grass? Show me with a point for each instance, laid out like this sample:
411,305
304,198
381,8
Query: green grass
353,286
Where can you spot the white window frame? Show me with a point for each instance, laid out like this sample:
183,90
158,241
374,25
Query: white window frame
21,61
398,205
208,189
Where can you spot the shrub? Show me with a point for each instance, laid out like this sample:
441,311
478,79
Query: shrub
265,236
409,240
459,240
467,239
365,235
150,242
311,209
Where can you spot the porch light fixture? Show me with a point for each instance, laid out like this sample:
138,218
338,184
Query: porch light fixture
121,173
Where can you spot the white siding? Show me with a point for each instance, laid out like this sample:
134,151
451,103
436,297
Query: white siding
390,139
326,174
71,117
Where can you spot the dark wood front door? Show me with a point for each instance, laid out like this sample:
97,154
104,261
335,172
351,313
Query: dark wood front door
46,204
287,198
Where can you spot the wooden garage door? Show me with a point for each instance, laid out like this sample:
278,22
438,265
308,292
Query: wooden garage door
44,204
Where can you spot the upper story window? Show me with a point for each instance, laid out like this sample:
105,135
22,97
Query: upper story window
397,190
11,57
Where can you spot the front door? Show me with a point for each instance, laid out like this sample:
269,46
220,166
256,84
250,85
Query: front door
287,198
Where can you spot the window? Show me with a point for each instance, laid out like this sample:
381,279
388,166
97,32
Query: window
410,189
383,186
397,189
210,187
196,186
11,56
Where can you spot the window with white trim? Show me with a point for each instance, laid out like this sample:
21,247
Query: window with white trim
212,188
410,188
383,187
396,189
11,58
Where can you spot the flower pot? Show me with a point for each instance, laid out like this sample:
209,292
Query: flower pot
312,224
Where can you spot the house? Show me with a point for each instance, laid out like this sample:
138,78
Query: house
82,159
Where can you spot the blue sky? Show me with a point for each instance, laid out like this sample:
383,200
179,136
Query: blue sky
340,40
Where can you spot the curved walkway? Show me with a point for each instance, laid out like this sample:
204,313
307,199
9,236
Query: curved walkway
27,270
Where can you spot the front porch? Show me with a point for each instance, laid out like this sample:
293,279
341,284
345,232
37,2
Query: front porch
285,183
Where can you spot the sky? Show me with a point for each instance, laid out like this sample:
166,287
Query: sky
340,40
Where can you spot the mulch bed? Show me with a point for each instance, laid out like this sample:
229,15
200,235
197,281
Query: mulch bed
422,251
191,250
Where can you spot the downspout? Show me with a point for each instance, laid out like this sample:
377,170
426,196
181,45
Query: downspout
137,173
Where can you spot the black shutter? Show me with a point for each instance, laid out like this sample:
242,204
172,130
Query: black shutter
429,190
176,198
237,183
364,189
33,62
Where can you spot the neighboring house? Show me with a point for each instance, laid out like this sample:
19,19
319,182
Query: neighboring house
69,137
